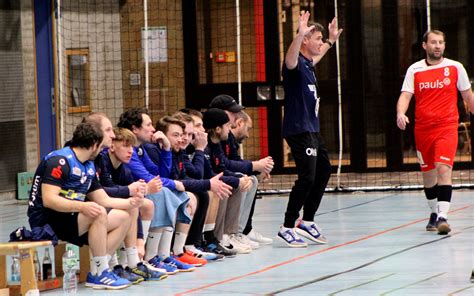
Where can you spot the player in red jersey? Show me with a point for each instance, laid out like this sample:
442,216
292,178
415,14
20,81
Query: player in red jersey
435,82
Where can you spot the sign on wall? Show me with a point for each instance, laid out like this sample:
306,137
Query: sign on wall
157,44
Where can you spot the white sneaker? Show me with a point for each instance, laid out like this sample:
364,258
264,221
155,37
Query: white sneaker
243,239
257,237
239,247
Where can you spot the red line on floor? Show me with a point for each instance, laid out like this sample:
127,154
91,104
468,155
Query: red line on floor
311,254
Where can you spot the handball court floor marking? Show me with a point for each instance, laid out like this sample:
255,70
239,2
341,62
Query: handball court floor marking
360,220
293,260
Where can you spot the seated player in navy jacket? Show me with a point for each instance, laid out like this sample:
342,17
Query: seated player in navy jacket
217,125
171,203
118,182
241,123
179,133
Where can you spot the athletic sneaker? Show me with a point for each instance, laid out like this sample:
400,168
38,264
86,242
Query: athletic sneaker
106,280
472,276
431,226
257,237
126,273
218,257
219,249
290,239
313,233
189,258
148,274
243,239
442,226
182,267
231,240
153,268
157,262
201,254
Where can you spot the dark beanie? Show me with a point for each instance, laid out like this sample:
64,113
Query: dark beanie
214,117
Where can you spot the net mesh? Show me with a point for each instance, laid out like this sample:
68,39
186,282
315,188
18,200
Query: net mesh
101,65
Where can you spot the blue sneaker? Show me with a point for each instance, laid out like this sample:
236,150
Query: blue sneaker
126,273
90,280
182,267
147,273
311,232
107,280
290,239
157,262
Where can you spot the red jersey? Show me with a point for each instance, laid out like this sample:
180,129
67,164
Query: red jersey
435,88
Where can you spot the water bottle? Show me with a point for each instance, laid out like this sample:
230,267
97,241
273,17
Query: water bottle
47,265
15,270
36,263
70,265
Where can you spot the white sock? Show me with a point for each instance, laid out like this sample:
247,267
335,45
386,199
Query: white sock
132,256
283,228
209,227
153,242
179,241
123,256
165,242
102,263
433,203
93,267
191,248
113,260
146,227
307,223
443,209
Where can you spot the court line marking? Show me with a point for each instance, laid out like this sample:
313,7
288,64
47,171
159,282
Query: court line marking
461,290
365,264
310,254
355,205
361,284
412,284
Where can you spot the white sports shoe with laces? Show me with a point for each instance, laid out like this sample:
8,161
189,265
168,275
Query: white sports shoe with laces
257,237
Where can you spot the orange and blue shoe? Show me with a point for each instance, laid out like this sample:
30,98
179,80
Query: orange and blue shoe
190,259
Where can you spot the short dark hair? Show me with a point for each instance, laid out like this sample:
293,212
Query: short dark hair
132,117
192,112
437,32
317,27
164,123
86,135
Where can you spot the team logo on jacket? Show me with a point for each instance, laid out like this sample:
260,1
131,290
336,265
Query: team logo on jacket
90,172
57,172
76,171
180,165
140,151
